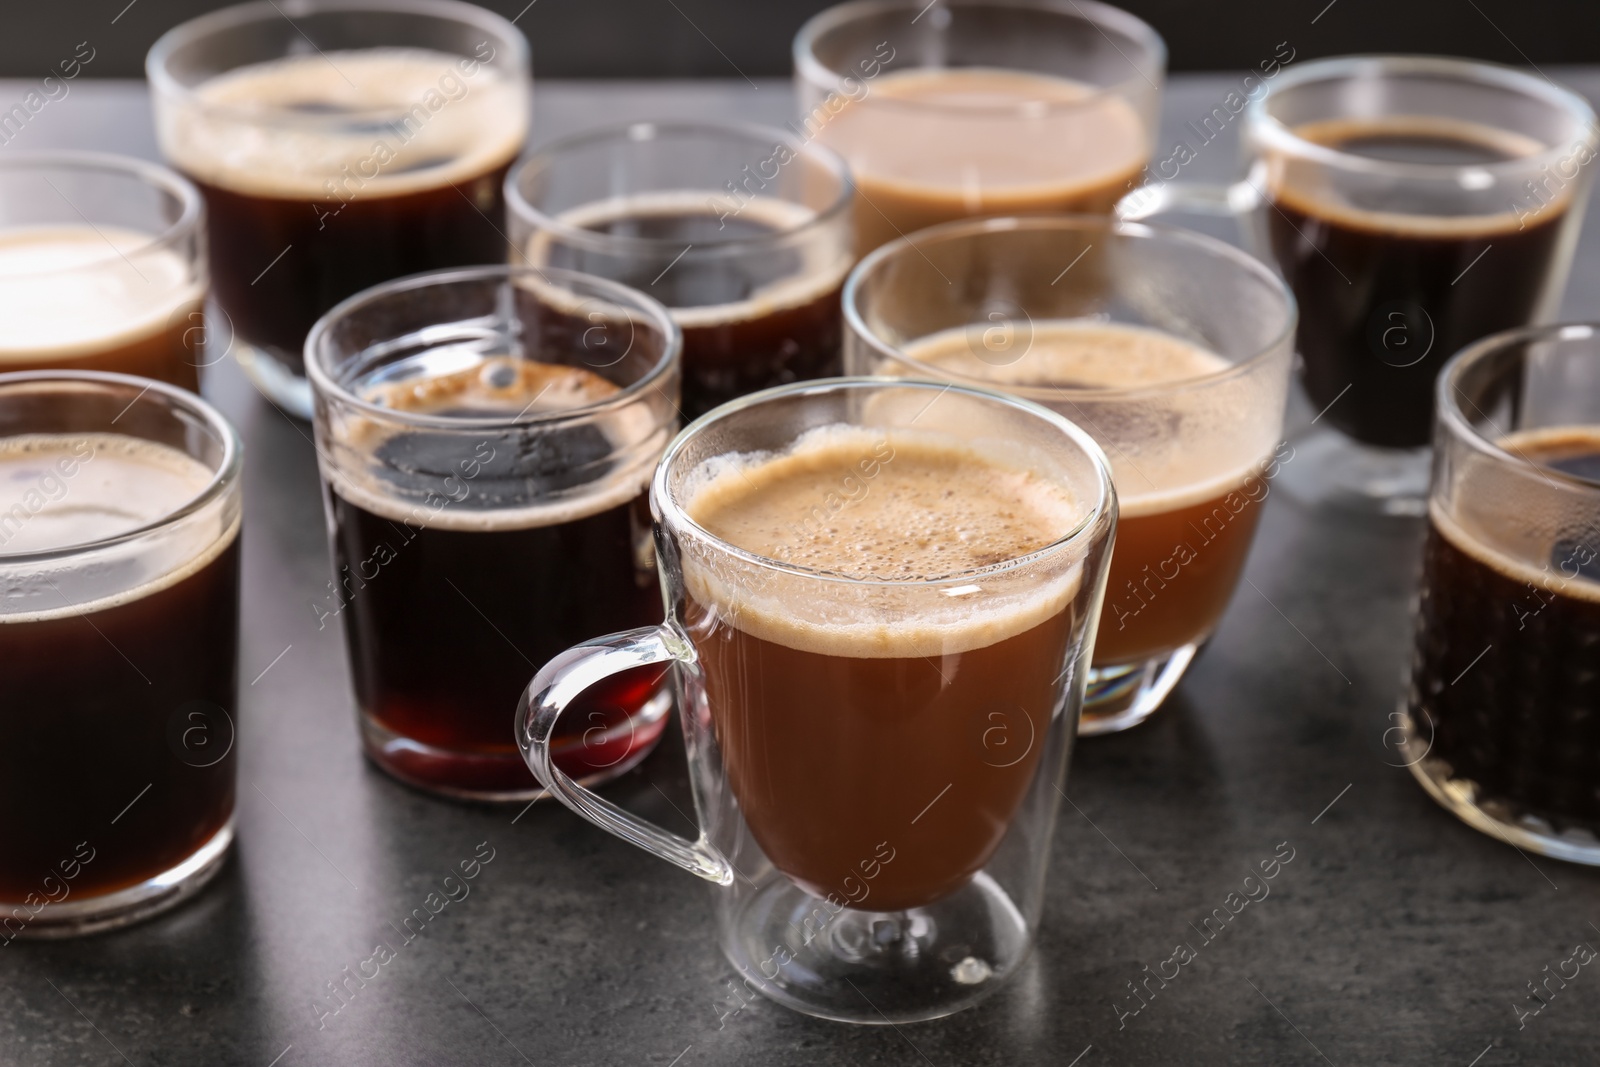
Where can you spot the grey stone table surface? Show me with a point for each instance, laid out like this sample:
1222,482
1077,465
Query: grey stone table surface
1396,935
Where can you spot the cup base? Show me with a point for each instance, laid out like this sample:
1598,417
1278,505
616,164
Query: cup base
877,968
1330,470
275,379
506,778
1123,696
75,918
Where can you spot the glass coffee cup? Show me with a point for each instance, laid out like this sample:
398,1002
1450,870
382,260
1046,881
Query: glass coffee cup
880,601
1170,348
1499,722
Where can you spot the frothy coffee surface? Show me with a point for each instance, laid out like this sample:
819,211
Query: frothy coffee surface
75,290
372,122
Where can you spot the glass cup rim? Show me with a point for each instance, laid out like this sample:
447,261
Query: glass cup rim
164,84
1271,131
323,383
1451,417
164,179
670,512
1044,394
651,130
221,482
1099,15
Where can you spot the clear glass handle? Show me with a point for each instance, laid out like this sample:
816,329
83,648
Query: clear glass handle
563,680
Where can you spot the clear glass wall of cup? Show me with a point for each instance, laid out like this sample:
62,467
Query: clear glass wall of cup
1501,720
742,231
102,267
877,755
1170,348
339,144
979,107
1414,204
486,437
119,640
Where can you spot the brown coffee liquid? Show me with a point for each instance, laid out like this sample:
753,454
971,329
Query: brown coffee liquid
1504,672
102,700
841,735
301,217
99,298
934,145
1388,290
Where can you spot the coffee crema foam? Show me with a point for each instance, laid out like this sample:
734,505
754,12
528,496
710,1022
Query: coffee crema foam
68,291
289,128
823,268
919,547
498,387
1304,187
61,491
1101,356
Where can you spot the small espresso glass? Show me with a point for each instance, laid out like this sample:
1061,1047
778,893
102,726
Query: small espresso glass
102,267
979,107
338,144
1171,349
876,760
743,232
119,640
1501,719
486,438
1414,204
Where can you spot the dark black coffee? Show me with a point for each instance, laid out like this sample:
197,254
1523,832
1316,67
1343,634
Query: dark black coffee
1389,290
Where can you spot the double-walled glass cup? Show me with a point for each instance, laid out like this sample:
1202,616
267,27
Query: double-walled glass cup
1414,204
1501,721
876,762
979,107
338,144
119,641
743,232
486,438
102,267
1171,349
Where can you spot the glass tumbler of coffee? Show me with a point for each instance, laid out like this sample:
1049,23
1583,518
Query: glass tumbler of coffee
486,437
1501,721
1171,349
102,267
1414,204
338,144
979,107
743,232
880,600
119,640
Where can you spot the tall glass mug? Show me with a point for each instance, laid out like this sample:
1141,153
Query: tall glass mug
1501,721
742,231
119,647
486,437
1171,349
339,143
880,601
979,107
102,267
1414,204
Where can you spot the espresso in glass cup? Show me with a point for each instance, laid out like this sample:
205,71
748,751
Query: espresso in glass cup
1499,722
102,267
979,107
119,640
880,598
1171,349
339,144
486,438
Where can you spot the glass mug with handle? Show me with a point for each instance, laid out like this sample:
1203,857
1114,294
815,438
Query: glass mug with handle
880,602
1170,348
1414,204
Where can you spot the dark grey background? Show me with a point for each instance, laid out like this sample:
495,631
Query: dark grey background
725,38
